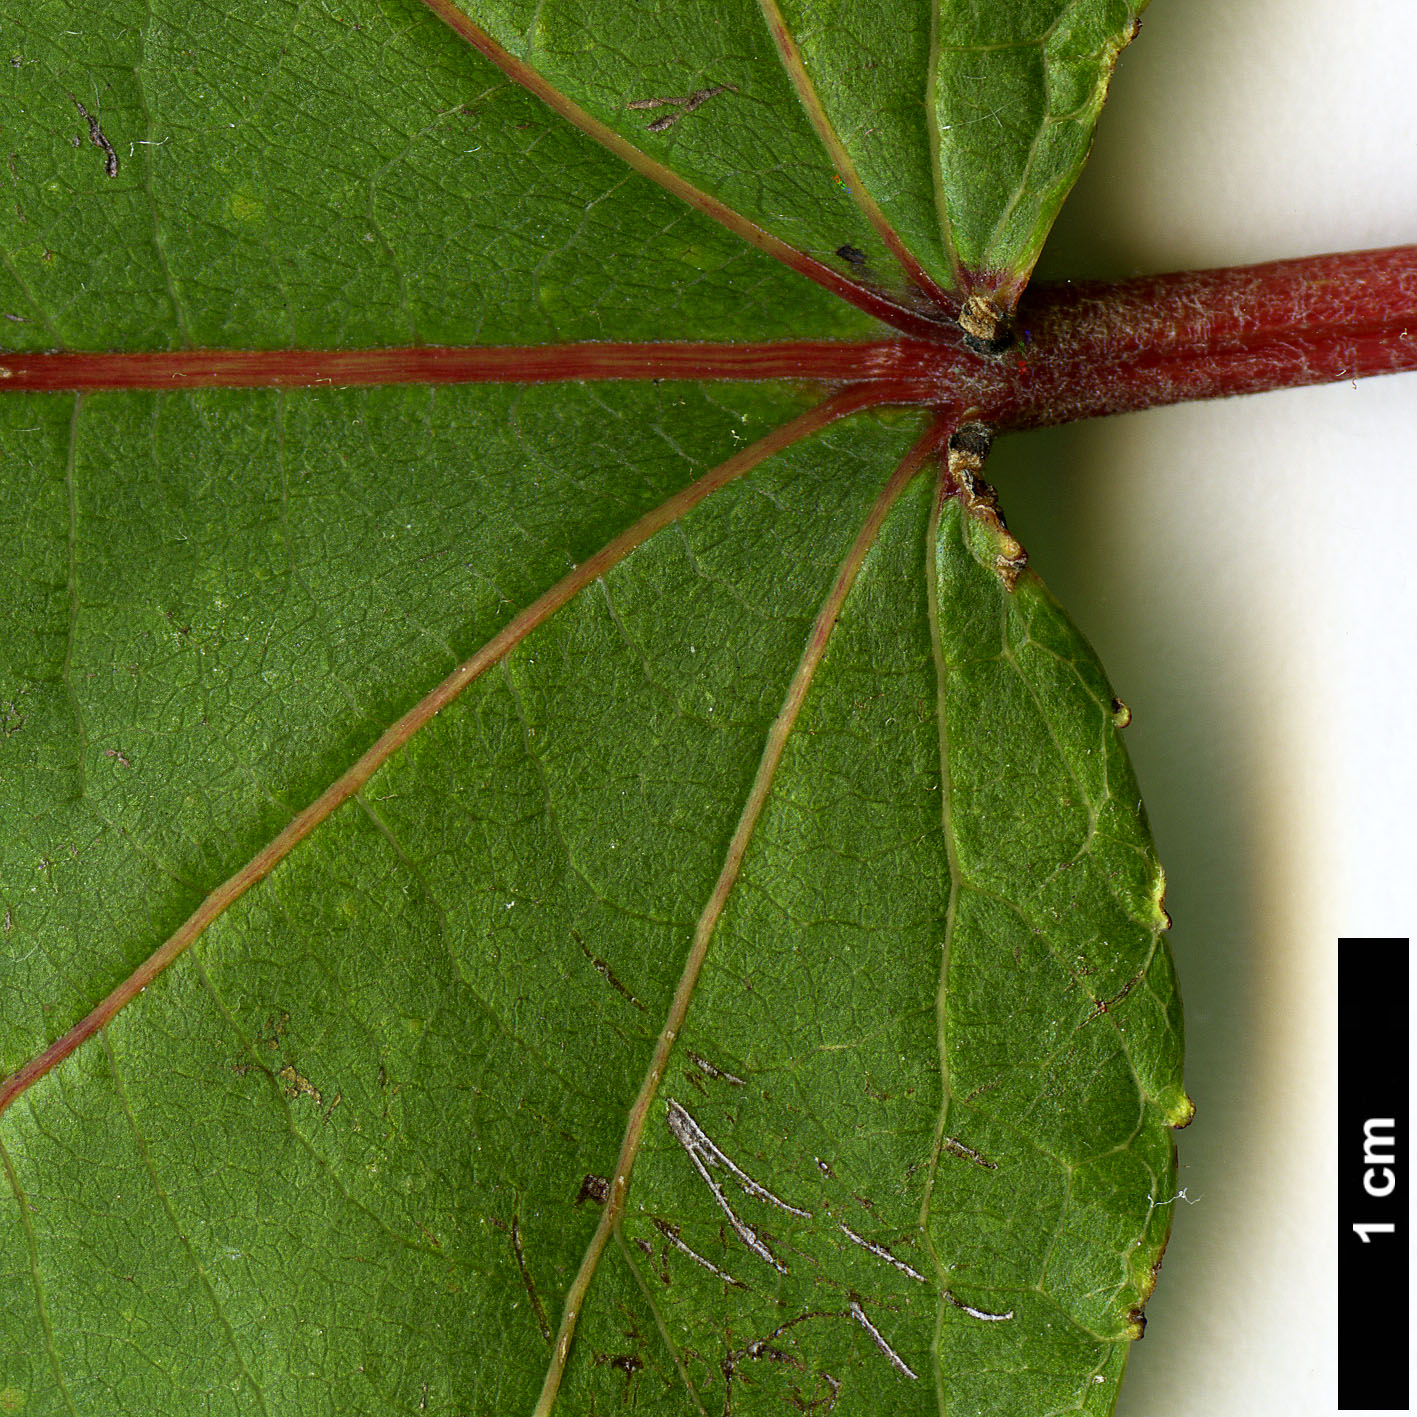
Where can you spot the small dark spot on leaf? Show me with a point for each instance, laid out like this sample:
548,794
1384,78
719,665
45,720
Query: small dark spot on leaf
974,439
593,1188
298,1085
605,972
851,255
955,1147
987,329
538,1311
710,1070
98,139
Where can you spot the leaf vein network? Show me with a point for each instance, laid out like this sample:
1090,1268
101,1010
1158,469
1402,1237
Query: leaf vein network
296,1134
37,1280
183,1239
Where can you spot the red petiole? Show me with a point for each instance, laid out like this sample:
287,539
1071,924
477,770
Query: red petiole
1081,350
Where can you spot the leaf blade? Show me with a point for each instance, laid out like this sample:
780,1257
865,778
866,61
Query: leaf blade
293,905
235,204
1016,98
320,1161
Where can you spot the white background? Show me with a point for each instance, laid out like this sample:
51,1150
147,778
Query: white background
1244,570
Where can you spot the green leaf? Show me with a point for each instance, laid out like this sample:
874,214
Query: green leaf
810,732
1017,95
970,179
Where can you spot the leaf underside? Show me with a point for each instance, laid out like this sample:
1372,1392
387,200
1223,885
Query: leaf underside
343,1156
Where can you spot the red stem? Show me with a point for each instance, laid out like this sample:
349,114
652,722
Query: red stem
1191,309
1097,348
1083,350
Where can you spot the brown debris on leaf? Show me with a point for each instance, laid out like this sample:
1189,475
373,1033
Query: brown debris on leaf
987,329
969,446
593,1188
685,104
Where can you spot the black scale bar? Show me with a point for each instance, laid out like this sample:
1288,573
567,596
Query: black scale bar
1373,1158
